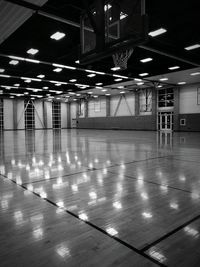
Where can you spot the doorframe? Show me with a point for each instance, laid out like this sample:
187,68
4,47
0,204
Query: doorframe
160,114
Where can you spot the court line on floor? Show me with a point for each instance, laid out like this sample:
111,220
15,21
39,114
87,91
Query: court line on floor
192,161
139,252
87,170
155,183
145,248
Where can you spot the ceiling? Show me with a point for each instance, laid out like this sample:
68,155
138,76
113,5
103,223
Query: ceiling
32,25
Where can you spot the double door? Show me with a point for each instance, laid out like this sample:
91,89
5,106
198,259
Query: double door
165,121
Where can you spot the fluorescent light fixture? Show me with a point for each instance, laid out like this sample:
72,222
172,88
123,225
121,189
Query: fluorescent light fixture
32,51
137,80
95,96
164,79
90,93
14,62
57,36
35,79
115,68
140,83
73,80
45,87
41,76
181,83
118,80
107,7
32,60
28,81
17,84
195,73
123,15
16,58
99,84
104,90
2,70
143,74
120,76
174,68
122,92
191,47
160,86
91,75
157,32
107,94
12,97
57,70
77,61
4,76
120,87
58,84
148,59
99,72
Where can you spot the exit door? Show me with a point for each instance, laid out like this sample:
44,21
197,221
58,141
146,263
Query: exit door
165,121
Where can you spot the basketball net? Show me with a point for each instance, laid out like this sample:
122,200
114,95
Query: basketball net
121,58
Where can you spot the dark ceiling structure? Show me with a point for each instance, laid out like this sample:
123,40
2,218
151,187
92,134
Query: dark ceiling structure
54,70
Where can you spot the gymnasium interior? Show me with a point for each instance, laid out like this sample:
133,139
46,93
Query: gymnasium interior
99,133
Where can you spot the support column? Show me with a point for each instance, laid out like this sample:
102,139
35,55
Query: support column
86,108
137,103
107,106
44,114
154,106
176,109
68,116
14,114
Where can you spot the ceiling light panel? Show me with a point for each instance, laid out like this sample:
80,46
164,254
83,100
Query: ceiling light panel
57,36
145,60
13,62
157,32
32,51
191,47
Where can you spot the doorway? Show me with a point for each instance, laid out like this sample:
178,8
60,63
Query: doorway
165,121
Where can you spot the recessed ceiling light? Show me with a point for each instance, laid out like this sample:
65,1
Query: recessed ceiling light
157,32
13,62
2,70
143,74
140,83
181,83
160,86
107,94
146,59
26,93
28,81
120,87
57,36
45,87
73,80
91,75
104,90
195,73
5,76
191,47
17,84
118,80
32,51
163,79
90,93
41,76
95,96
115,68
77,61
122,92
12,97
174,68
99,84
57,70
57,84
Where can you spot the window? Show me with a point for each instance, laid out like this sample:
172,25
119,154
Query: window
198,96
29,114
166,98
1,114
56,115
145,100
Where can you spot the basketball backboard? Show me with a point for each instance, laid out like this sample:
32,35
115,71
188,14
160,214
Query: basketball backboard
111,26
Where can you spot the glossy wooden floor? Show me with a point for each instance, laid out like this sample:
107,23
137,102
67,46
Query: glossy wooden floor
99,198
